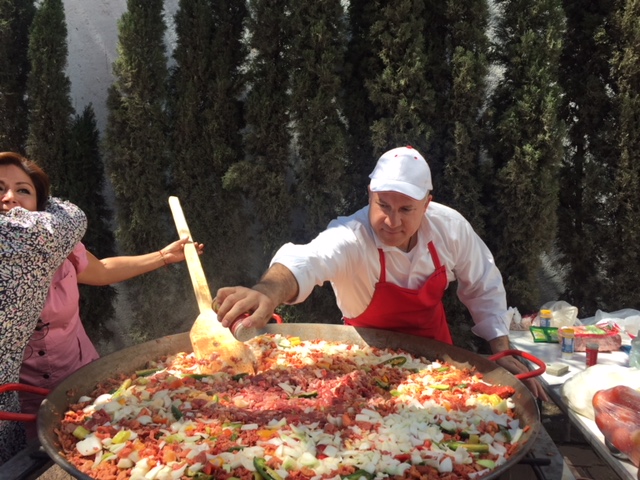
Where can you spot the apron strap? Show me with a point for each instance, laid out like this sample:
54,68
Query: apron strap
383,267
434,255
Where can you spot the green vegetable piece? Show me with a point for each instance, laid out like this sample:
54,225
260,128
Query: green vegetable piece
308,395
440,386
122,436
395,393
470,447
505,431
203,476
450,431
197,376
175,411
442,369
147,372
358,474
395,361
486,463
80,432
382,384
122,388
266,472
239,376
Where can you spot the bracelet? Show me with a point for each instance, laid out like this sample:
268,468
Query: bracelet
164,259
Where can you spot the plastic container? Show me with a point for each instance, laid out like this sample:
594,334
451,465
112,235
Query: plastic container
544,334
634,354
592,354
567,341
545,316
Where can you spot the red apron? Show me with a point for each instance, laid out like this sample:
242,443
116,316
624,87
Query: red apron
416,312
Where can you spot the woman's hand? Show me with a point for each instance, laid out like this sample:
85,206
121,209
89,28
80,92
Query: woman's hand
174,252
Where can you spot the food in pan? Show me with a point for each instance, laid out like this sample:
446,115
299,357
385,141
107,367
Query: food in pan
314,410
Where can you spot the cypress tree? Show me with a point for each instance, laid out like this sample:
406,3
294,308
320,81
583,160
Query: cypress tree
589,112
207,119
262,175
525,143
15,19
401,93
438,72
458,65
361,63
317,62
86,181
318,46
624,252
49,93
136,161
463,183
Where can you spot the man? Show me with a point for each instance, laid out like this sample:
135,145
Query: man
389,265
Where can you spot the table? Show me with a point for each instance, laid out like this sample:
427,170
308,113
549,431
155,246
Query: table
550,353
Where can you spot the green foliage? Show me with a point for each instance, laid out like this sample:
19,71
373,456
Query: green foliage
276,112
316,56
206,121
85,183
361,63
624,258
401,93
588,109
262,175
15,19
49,93
136,158
318,33
525,143
463,183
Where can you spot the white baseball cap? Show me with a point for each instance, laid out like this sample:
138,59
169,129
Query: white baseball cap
402,170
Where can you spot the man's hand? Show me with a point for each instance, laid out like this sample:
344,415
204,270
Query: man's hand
277,286
513,365
232,302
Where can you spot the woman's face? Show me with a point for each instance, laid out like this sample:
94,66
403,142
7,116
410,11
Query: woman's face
16,189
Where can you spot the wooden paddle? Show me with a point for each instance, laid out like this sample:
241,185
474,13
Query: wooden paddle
214,345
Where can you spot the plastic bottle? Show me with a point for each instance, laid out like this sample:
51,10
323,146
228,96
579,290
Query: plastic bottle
567,339
545,318
634,354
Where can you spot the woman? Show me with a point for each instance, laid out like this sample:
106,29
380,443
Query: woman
35,238
59,344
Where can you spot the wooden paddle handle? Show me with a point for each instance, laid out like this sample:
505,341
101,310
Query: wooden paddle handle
200,286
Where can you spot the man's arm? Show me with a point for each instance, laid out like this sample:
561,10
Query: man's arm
277,286
513,365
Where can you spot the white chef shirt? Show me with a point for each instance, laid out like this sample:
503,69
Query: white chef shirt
346,254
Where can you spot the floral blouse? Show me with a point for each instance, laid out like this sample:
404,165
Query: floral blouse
32,247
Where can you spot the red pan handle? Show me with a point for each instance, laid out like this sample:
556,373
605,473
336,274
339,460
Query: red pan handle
528,356
21,387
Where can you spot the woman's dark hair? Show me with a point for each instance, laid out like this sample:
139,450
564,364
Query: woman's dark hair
36,174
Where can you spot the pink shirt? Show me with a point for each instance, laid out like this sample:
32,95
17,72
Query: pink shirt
62,347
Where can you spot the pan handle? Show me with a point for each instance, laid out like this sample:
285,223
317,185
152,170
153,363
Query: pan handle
21,387
528,356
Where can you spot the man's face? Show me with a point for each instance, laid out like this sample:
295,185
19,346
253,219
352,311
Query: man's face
395,217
